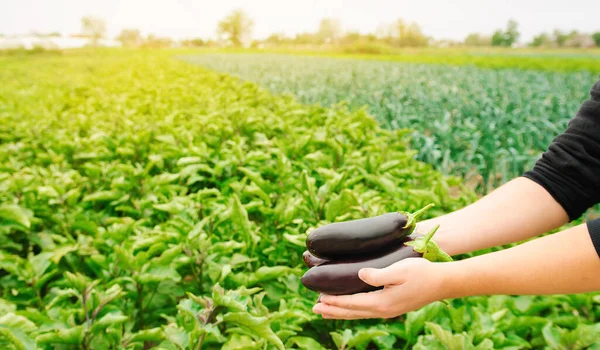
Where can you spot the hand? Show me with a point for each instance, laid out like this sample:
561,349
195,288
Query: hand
408,285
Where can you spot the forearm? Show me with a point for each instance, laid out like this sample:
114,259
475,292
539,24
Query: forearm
516,211
562,263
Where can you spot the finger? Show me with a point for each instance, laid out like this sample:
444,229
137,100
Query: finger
392,274
361,301
334,312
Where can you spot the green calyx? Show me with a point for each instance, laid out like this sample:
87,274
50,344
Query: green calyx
430,250
411,220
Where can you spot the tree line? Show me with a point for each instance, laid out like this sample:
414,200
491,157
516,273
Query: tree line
236,30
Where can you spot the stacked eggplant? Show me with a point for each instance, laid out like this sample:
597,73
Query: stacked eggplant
336,252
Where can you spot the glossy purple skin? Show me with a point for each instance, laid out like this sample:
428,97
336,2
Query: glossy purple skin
311,260
341,278
358,237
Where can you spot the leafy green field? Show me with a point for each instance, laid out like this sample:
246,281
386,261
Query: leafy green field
469,122
146,202
550,60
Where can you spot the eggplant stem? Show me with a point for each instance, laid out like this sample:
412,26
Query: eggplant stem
429,236
412,218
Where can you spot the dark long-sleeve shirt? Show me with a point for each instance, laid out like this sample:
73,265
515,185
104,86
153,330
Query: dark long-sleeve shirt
570,169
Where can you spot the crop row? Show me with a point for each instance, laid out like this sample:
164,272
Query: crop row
485,125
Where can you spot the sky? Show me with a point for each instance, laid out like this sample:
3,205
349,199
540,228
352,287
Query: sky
183,19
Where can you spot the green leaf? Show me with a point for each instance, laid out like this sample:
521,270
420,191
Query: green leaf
458,318
73,335
108,320
363,337
47,191
257,325
40,263
61,295
12,320
450,341
6,307
552,336
58,253
159,274
188,160
338,339
17,338
415,321
164,178
102,196
383,183
174,207
177,336
584,336
77,280
239,216
14,213
309,187
486,344
263,274
341,340
304,343
241,342
340,205
152,334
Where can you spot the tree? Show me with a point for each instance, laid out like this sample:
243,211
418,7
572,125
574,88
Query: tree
541,40
156,42
94,28
130,38
596,38
276,39
46,35
560,37
512,32
475,39
508,37
414,37
197,42
305,39
402,34
330,31
236,28
356,38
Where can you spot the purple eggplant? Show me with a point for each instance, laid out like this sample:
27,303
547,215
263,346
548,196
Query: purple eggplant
311,260
341,277
362,237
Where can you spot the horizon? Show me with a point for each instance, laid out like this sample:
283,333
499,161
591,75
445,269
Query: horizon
187,19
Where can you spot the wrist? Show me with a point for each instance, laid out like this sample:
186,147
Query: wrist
445,237
454,280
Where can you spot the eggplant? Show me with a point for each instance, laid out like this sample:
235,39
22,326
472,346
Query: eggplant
341,277
357,238
311,260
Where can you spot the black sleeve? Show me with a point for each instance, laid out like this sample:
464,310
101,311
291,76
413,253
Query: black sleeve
593,227
570,169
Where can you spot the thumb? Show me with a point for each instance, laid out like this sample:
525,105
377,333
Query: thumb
380,277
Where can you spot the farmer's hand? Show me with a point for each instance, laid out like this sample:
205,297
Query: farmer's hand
408,285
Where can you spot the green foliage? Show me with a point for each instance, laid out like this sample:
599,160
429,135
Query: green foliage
484,125
150,203
508,37
596,37
147,202
236,28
